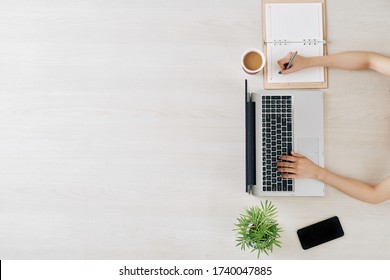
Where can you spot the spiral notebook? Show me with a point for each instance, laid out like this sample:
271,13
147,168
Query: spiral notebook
290,26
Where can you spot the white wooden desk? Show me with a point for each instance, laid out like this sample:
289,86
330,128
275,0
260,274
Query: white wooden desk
122,130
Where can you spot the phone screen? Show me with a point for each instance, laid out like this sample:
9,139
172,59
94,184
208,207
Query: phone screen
320,232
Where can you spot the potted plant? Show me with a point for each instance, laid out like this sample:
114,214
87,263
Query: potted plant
257,229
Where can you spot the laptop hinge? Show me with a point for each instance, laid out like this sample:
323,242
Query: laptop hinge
250,140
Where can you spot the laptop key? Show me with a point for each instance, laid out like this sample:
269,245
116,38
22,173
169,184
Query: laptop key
289,148
284,183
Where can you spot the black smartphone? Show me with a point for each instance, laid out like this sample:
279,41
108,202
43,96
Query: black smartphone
320,232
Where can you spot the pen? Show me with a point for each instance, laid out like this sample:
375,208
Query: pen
290,62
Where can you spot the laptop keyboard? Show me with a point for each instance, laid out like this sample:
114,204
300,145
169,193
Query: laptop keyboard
277,136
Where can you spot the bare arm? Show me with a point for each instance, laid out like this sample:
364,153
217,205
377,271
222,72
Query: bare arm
298,166
347,60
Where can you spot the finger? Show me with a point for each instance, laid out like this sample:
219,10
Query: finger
297,155
289,176
282,64
285,164
285,60
288,158
289,70
286,170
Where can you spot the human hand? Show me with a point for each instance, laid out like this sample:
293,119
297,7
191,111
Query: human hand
298,166
299,63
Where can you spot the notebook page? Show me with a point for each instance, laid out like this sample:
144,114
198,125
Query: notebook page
274,53
293,23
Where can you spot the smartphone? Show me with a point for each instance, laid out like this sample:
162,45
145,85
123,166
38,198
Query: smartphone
320,232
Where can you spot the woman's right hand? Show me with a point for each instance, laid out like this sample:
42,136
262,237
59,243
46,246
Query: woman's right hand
299,63
299,166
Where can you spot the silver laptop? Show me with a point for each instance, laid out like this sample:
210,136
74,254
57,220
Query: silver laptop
277,123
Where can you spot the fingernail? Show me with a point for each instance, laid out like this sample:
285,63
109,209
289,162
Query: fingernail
280,72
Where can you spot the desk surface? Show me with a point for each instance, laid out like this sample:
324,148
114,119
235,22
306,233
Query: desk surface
122,130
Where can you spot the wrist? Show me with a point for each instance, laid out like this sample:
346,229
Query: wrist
320,174
312,61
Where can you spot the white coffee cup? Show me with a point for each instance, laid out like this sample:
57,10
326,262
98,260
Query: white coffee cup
252,61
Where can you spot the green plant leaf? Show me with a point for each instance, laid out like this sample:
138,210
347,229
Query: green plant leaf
257,229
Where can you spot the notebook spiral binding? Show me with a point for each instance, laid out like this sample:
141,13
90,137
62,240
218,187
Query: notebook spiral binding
308,42
313,42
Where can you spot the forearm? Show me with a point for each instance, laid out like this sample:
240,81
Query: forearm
353,61
380,63
345,60
354,188
298,166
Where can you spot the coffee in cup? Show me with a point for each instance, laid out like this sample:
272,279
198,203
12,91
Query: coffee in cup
252,61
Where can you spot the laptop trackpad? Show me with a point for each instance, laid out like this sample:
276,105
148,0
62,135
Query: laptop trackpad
309,148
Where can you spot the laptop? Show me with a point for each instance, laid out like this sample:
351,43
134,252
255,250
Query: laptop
279,122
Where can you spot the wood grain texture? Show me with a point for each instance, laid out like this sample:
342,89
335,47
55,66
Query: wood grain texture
122,130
